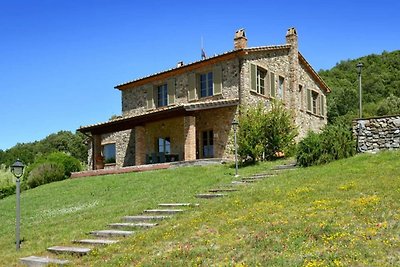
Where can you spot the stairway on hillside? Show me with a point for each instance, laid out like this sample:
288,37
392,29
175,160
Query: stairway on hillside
148,219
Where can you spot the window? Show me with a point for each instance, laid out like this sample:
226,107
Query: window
314,102
281,83
301,96
261,81
164,145
162,95
208,144
109,153
206,84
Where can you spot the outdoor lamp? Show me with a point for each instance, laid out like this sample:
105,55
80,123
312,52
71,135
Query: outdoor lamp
359,69
17,169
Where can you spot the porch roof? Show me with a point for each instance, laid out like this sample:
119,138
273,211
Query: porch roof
129,122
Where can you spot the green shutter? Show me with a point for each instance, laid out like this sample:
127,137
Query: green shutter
150,98
171,91
322,107
192,86
217,76
253,77
272,80
309,100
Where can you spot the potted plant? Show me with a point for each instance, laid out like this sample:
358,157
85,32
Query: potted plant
99,162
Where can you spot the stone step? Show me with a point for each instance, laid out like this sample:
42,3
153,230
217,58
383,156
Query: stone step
178,205
263,175
209,195
95,241
69,250
35,261
164,211
251,179
107,233
132,225
143,218
216,190
290,166
239,183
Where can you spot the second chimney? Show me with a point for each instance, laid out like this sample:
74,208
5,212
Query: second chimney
240,40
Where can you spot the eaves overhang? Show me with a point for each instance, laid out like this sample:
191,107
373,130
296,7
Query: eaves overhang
129,122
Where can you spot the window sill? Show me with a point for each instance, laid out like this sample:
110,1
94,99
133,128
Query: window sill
263,96
315,115
109,165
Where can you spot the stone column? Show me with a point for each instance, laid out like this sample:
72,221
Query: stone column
140,145
96,146
189,131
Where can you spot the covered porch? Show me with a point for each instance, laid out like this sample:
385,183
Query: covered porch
180,133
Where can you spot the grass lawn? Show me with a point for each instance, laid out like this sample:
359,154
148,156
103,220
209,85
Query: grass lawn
346,213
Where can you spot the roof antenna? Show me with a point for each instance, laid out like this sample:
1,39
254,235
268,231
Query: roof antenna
203,53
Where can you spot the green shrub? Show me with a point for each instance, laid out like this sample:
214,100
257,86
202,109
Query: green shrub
70,163
333,143
309,150
45,173
7,191
40,172
263,133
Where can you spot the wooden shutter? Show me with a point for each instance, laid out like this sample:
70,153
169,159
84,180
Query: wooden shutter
192,87
149,97
253,77
217,77
309,100
272,87
322,105
171,91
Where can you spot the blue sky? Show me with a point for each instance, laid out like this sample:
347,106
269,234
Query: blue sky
60,59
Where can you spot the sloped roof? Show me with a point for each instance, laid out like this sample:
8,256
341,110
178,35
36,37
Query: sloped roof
197,64
218,58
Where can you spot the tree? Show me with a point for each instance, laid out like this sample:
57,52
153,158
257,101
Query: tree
263,133
389,106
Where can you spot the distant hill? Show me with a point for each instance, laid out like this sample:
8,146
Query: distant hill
380,87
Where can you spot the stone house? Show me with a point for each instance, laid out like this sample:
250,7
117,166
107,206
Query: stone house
186,113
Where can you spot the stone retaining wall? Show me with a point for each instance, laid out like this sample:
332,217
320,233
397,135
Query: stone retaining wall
378,133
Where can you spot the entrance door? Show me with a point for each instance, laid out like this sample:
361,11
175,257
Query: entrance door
208,144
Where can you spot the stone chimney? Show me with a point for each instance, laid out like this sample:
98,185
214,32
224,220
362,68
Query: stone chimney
240,40
291,39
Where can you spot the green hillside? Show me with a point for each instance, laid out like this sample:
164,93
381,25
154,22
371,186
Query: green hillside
346,213
380,83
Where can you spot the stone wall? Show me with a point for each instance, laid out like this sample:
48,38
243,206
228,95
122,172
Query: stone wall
134,99
374,134
293,98
220,121
124,146
307,120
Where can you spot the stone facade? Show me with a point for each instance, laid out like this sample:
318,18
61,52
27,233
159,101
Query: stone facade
374,134
192,124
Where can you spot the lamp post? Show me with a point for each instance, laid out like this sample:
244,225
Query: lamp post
17,169
359,68
235,124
